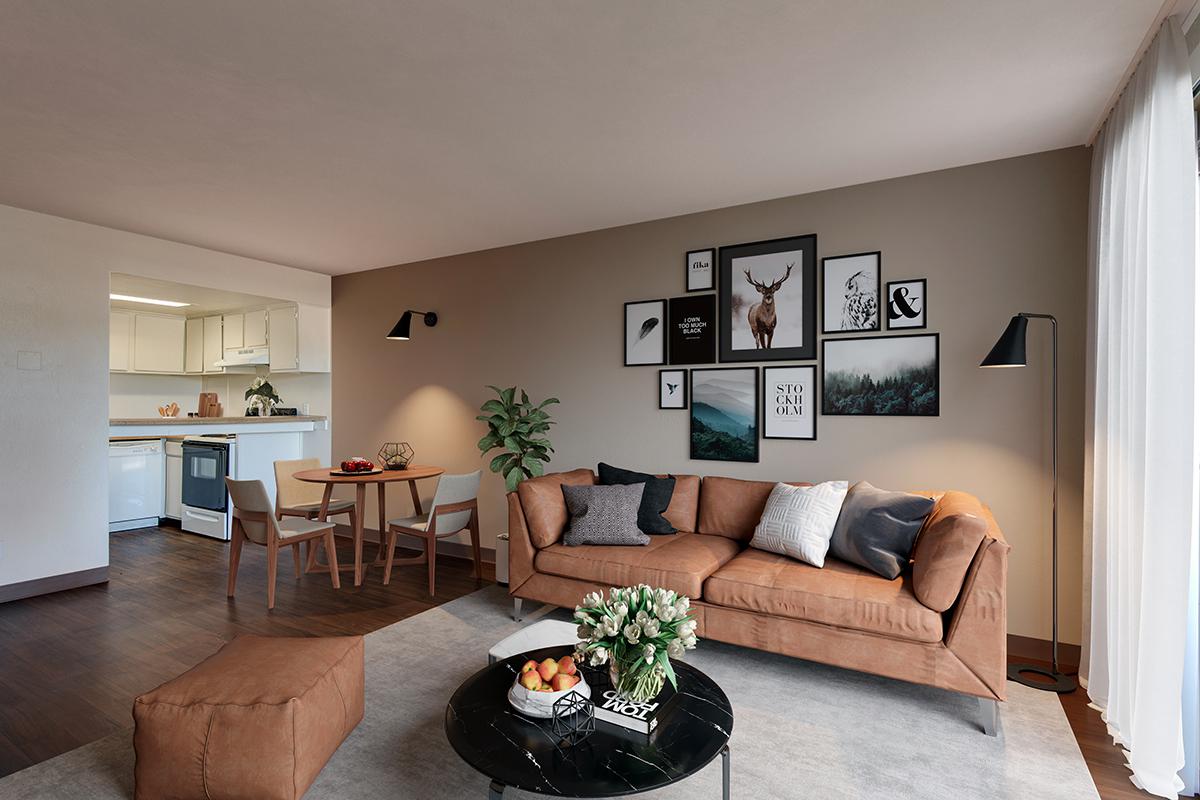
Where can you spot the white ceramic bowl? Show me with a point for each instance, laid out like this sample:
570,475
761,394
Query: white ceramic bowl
541,704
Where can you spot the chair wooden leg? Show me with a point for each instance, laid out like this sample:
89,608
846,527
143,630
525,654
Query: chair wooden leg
272,570
296,559
475,551
431,557
331,557
391,553
235,555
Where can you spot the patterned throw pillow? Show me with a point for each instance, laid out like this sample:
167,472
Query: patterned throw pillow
603,515
798,521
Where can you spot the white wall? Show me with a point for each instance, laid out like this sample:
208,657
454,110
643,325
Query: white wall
54,277
135,395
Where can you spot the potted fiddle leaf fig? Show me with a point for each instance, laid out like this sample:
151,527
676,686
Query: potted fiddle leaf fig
518,428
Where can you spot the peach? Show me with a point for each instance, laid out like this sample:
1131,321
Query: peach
528,666
531,681
566,664
562,681
548,669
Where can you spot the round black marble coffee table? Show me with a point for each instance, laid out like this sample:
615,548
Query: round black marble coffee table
517,751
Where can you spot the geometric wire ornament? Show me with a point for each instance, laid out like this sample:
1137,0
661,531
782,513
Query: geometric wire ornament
574,719
395,455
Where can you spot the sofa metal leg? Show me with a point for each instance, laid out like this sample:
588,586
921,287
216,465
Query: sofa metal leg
516,615
989,716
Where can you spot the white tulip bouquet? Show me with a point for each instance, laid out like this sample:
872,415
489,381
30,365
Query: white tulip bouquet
636,631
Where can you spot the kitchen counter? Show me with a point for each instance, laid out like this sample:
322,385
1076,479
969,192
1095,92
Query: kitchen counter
189,426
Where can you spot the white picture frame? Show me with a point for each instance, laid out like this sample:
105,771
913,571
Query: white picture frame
790,402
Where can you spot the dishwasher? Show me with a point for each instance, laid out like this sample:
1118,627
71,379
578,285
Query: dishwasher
135,484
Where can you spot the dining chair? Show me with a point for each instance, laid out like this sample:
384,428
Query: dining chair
455,508
254,520
296,498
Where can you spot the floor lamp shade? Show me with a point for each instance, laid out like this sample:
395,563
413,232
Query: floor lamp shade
1009,349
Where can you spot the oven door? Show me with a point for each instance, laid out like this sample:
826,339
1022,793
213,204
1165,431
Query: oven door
204,469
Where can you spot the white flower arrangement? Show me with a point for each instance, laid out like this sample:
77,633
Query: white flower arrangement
637,630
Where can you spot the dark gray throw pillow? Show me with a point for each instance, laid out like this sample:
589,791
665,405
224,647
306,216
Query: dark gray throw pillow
603,515
655,498
877,528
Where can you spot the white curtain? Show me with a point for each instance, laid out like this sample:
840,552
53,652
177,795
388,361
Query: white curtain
1142,507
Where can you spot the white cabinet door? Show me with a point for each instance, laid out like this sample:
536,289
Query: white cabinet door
233,324
254,329
120,326
173,491
284,339
213,347
193,338
158,343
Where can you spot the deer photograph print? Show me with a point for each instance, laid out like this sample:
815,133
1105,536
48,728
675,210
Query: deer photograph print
881,376
768,308
692,329
672,388
906,304
645,332
851,293
698,267
725,414
790,402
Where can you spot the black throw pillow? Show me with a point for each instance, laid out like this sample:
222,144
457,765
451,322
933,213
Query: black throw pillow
655,497
876,528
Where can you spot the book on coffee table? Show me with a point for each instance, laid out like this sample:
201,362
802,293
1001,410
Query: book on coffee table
639,717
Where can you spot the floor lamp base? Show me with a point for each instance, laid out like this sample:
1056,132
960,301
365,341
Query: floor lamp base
1055,681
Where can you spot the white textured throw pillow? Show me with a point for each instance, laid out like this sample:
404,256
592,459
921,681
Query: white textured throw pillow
798,521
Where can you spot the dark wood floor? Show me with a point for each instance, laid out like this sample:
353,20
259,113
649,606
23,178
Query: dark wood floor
71,662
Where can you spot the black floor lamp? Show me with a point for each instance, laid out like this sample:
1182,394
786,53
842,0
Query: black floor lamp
1009,351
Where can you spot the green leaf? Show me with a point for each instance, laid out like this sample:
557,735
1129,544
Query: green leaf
513,477
488,442
524,398
495,389
493,407
513,446
506,396
533,465
499,463
506,428
548,402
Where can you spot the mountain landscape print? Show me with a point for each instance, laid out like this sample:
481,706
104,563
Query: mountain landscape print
725,414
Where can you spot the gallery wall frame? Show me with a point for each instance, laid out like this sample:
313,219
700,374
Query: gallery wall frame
692,329
699,270
805,377
767,300
915,389
724,401
850,293
644,333
911,308
673,399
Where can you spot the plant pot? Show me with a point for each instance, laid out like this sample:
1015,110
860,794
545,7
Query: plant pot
636,686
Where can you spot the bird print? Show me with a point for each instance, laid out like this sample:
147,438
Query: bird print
671,387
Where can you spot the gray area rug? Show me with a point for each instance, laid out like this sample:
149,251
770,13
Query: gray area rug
801,730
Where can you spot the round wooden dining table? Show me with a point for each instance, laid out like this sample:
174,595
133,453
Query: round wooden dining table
325,475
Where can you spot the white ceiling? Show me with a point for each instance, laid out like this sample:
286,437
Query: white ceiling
348,135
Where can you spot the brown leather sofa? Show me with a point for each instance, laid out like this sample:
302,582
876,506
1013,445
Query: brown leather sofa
941,623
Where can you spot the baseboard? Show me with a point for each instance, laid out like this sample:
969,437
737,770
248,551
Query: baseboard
1027,648
53,583
444,547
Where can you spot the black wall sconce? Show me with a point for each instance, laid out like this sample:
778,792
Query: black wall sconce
400,332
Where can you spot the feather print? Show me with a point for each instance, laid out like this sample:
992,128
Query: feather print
647,326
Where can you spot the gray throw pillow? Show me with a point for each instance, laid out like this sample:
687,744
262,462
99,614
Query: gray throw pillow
603,514
877,528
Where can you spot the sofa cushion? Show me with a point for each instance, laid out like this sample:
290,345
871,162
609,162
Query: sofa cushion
945,548
877,528
605,515
656,496
679,561
543,504
732,507
685,502
841,594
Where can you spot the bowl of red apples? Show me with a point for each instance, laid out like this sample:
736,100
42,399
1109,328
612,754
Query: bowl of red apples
539,684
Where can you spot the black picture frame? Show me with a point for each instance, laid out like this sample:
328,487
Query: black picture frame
924,305
712,269
692,329
660,335
684,380
814,405
723,445
874,297
859,341
731,322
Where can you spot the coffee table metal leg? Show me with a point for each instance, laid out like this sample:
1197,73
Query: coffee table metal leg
725,772
495,791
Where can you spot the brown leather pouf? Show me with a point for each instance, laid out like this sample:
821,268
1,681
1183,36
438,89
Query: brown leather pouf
259,719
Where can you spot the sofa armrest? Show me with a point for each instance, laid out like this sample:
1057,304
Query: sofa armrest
520,548
978,631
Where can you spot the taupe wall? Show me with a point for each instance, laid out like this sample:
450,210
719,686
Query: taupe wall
992,239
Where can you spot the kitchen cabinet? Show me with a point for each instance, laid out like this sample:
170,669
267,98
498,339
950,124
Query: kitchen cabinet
173,491
254,328
299,337
158,343
214,349
120,329
233,326
193,338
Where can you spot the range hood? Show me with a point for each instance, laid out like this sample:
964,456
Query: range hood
245,357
